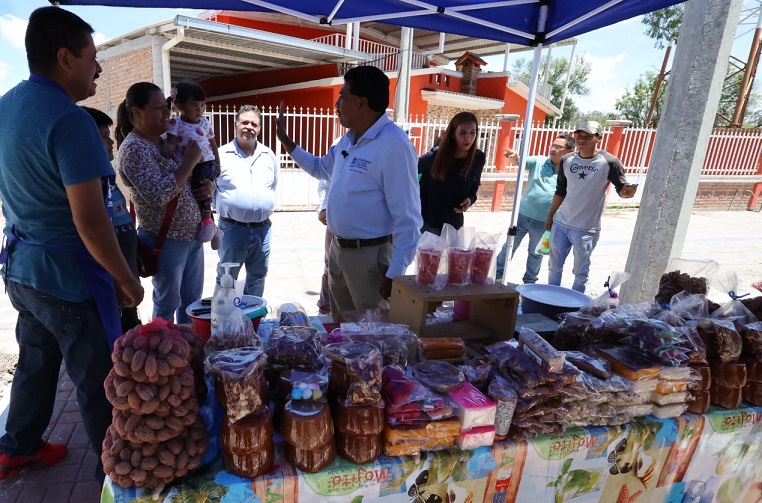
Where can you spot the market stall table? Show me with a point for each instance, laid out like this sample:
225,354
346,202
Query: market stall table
716,457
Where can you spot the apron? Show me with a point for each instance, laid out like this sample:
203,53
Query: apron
98,280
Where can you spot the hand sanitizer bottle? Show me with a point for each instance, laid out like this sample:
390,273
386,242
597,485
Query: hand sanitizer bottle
223,302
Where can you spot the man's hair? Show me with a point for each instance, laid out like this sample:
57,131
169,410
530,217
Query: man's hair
569,139
50,29
248,109
101,118
371,83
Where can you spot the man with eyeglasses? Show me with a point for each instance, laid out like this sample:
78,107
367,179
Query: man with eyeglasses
541,185
245,199
374,206
574,220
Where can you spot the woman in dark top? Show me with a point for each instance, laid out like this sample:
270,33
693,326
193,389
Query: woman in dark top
450,175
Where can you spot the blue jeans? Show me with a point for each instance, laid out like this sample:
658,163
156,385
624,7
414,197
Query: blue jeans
562,240
48,330
249,246
179,279
535,228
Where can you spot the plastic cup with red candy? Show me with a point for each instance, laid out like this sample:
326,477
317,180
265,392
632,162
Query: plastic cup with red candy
428,265
459,265
481,264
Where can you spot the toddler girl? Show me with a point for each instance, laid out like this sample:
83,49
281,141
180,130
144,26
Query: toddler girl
189,99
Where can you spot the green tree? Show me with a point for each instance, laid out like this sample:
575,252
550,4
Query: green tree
598,116
580,71
664,25
634,104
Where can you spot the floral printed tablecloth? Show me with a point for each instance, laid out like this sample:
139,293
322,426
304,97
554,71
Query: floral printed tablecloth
714,458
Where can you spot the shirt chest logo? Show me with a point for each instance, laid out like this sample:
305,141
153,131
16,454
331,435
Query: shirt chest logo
582,170
359,165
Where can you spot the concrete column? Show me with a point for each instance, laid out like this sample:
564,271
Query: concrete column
614,146
696,79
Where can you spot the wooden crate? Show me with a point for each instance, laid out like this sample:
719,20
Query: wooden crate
492,315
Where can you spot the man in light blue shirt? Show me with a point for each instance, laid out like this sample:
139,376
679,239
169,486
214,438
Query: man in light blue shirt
374,207
541,186
245,199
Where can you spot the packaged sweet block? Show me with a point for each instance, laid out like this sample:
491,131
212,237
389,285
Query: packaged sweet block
630,362
473,408
480,436
731,374
541,351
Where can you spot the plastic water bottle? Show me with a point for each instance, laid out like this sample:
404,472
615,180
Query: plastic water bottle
223,302
544,247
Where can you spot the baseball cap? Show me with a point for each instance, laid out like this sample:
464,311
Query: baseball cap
592,127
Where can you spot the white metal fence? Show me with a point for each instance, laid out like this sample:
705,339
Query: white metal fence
730,152
384,57
316,129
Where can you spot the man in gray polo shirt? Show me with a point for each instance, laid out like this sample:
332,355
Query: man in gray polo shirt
574,220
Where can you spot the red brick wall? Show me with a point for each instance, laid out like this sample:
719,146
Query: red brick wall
119,73
710,196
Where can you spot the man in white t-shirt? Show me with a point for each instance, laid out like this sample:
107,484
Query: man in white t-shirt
574,220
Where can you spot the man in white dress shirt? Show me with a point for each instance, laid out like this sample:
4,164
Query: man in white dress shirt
373,207
245,199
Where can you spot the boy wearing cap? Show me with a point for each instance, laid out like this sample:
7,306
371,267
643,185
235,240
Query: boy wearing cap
574,220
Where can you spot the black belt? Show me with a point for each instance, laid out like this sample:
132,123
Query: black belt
245,224
361,243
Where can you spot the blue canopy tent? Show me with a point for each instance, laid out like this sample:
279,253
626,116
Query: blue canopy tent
525,22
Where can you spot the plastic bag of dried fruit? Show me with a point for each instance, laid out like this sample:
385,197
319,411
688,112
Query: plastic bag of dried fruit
733,310
240,370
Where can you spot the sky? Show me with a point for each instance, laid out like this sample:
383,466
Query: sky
618,54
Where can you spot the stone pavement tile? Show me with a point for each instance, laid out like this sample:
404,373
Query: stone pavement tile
71,406
61,433
69,417
73,457
39,493
79,438
9,494
58,407
65,384
87,470
57,474
86,492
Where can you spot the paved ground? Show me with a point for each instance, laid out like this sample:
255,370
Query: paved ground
734,239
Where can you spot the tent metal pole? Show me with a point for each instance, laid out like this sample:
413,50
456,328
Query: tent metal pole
405,61
506,57
526,139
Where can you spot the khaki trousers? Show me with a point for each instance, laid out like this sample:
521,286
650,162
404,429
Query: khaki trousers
355,276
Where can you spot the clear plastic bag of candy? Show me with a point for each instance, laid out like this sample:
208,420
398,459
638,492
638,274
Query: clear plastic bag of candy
309,386
431,265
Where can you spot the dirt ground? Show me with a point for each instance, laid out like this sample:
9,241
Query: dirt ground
7,368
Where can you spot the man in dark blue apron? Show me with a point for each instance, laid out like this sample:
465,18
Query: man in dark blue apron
60,252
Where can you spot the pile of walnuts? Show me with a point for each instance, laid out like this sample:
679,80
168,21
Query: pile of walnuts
196,358
151,464
156,433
